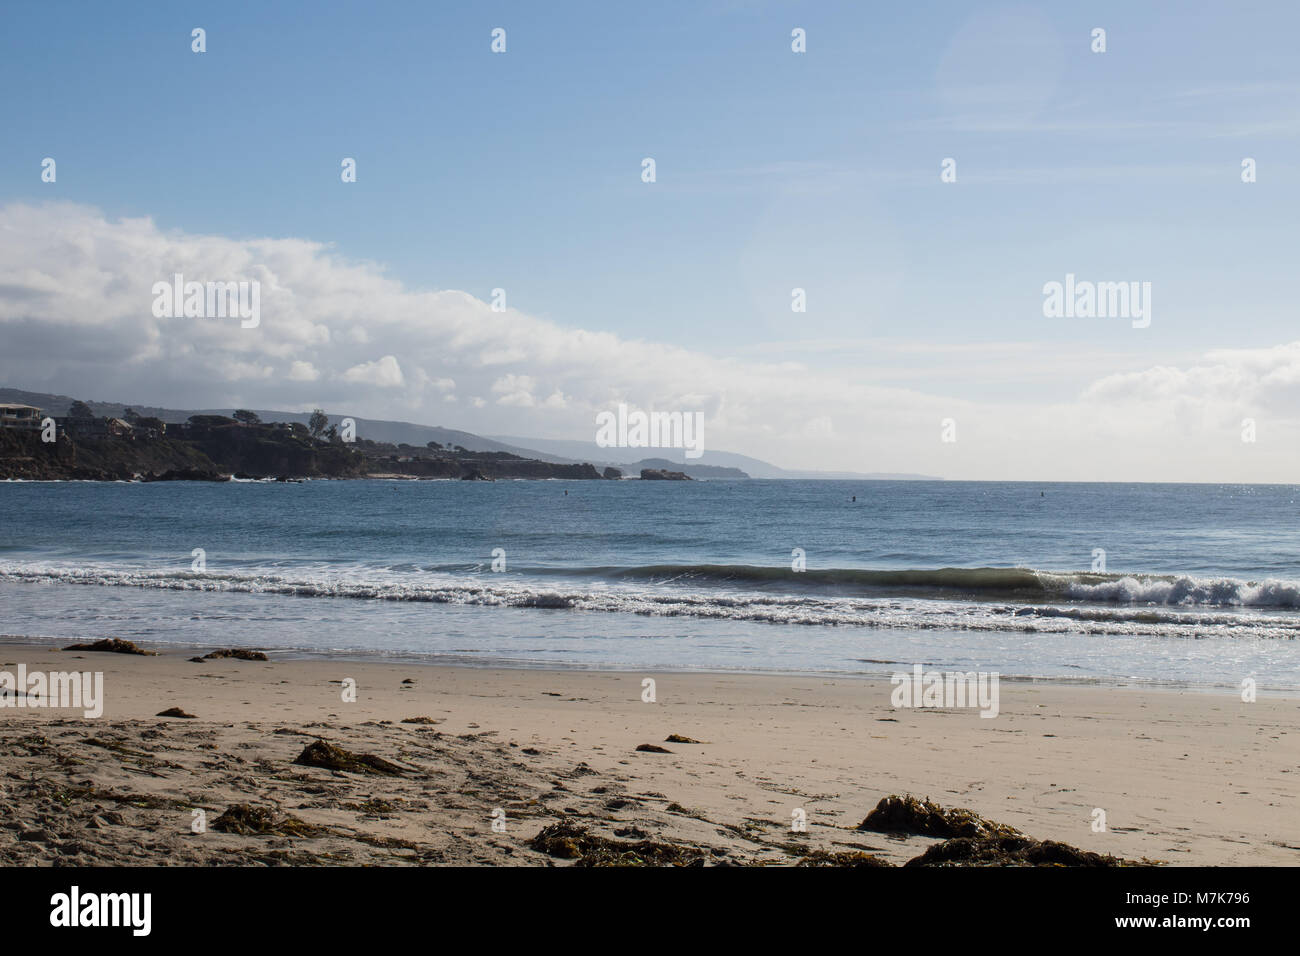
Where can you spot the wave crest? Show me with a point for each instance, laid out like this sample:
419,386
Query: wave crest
1172,606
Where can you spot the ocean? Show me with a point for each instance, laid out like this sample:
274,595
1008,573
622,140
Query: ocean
1198,585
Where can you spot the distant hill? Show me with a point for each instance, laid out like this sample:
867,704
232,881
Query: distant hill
690,468
712,464
217,448
755,468
381,431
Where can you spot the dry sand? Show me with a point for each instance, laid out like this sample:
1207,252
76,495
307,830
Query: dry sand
1183,777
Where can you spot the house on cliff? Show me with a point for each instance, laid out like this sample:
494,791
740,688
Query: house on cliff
21,417
96,427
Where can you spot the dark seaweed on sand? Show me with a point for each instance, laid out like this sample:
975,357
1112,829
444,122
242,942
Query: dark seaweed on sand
248,820
321,754
571,842
175,712
112,645
895,814
841,858
973,840
1011,851
238,653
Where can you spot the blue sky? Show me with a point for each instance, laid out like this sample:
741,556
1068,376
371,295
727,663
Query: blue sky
775,170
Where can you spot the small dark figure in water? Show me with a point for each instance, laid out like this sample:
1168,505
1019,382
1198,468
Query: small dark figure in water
855,497
566,494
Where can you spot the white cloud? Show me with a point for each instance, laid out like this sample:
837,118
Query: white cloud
303,372
515,390
820,427
382,373
75,317
235,371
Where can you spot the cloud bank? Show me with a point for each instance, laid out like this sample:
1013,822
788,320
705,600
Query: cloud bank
76,317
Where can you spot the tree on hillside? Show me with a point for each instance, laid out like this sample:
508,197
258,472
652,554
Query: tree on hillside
247,417
130,415
80,409
318,422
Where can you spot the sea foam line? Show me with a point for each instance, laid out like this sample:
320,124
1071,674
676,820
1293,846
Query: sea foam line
900,613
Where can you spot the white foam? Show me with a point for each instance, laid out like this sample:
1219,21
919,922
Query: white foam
1179,607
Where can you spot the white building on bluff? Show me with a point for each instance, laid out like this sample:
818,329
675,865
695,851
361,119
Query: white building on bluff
26,417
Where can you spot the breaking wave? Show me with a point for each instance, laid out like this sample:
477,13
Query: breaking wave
992,583
966,599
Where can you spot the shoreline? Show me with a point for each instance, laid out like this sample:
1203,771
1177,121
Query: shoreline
1184,778
469,662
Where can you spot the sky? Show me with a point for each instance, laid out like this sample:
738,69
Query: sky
924,346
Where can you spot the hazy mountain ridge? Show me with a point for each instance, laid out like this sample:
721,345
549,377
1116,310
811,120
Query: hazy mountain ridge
754,467
712,464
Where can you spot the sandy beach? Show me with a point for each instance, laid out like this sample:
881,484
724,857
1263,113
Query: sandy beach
1184,778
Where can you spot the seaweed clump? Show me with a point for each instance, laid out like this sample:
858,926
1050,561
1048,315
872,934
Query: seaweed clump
842,858
321,754
248,820
567,841
238,653
895,814
175,712
114,646
1011,851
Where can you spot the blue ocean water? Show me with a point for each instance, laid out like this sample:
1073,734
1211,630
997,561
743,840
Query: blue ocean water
1198,584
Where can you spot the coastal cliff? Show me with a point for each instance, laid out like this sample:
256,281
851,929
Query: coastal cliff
660,474
216,449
